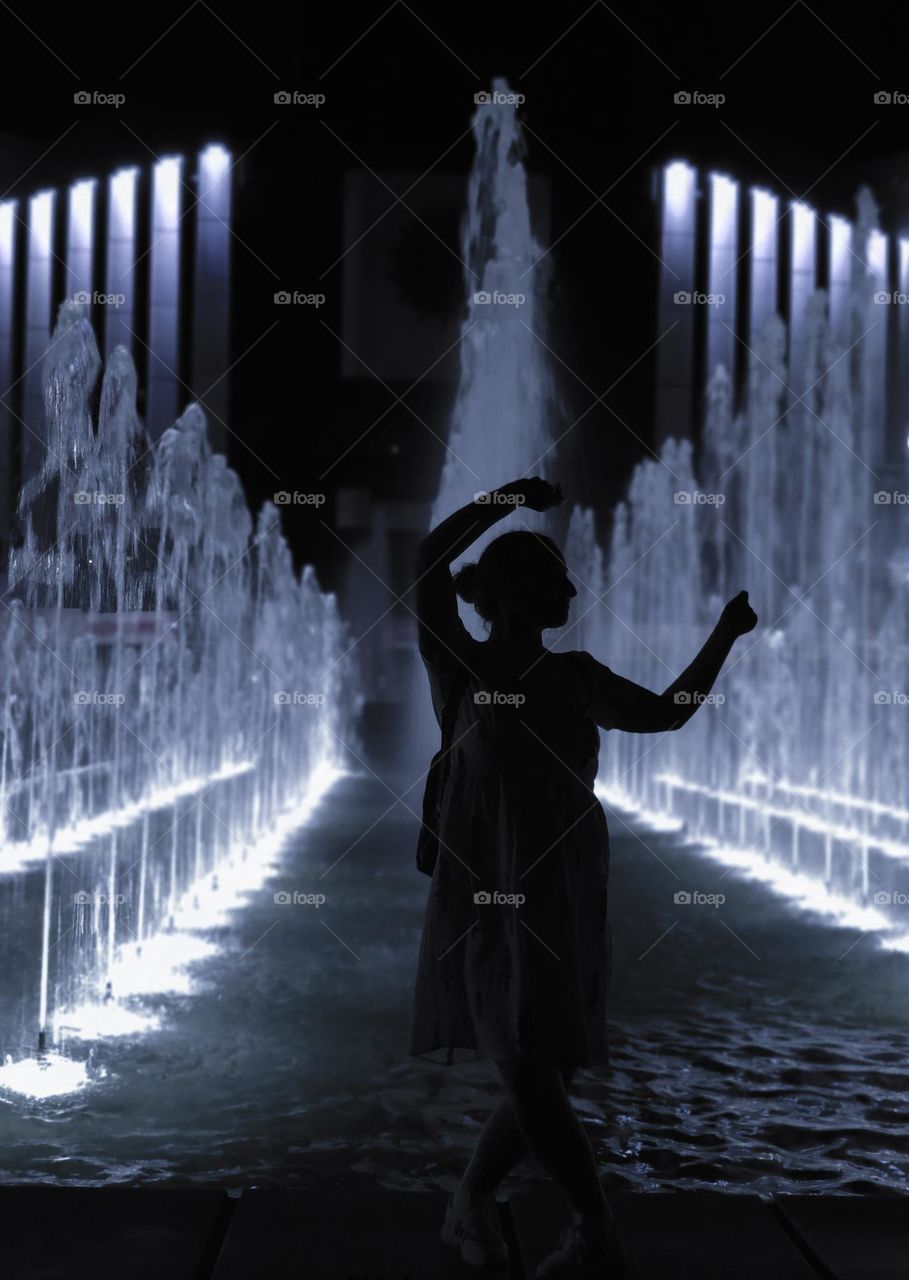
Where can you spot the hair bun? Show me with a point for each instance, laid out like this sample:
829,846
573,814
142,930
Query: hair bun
466,583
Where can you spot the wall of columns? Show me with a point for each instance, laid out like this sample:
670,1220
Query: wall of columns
730,257
148,251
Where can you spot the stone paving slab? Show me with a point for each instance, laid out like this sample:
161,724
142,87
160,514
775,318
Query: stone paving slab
106,1233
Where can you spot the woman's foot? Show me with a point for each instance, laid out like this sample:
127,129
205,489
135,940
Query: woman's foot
473,1227
584,1254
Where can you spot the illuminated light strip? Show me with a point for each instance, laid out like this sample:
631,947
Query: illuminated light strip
804,892
807,821
18,854
55,1074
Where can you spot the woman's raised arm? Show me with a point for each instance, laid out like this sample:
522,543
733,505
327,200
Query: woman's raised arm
618,703
440,631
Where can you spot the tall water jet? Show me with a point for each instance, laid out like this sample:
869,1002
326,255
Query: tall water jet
501,423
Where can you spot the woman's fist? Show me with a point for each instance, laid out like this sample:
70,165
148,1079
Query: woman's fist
738,617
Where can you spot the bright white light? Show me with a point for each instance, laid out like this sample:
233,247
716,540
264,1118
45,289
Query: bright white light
840,238
81,213
7,232
877,257
678,192
122,203
724,209
804,224
46,1077
166,186
41,224
764,215
214,161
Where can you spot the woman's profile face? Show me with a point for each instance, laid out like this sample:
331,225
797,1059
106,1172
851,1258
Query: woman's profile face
555,591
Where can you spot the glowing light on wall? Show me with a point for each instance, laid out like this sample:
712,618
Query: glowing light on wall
675,351
7,298
120,269
211,295
164,295
763,259
839,271
41,226
722,264
802,282
80,239
679,188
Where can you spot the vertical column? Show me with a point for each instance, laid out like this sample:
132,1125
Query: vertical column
80,242
899,418
762,302
7,421
211,296
877,255
802,283
41,222
839,273
675,349
722,272
120,268
164,296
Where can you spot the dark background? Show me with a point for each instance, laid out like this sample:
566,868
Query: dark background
399,81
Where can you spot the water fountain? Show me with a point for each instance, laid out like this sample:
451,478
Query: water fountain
175,699
798,776
778,501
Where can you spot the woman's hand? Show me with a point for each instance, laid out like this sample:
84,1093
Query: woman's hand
534,492
738,617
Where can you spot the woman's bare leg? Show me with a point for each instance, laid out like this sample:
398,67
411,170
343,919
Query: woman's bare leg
552,1131
500,1146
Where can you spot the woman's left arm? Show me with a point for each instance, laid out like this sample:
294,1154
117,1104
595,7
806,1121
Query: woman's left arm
622,704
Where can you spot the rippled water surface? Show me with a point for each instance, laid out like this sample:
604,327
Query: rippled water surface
753,1048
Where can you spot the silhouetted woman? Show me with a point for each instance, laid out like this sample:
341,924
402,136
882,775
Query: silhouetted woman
515,956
